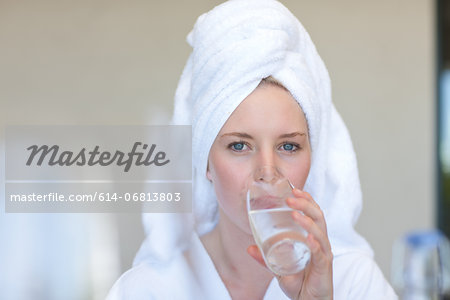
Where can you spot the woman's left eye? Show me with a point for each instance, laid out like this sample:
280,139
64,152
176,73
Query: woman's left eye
290,147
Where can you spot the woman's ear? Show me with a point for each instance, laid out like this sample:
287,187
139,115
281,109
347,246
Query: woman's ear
208,173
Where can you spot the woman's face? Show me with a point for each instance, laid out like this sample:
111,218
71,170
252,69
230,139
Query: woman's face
267,129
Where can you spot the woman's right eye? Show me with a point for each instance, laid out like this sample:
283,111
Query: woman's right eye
238,147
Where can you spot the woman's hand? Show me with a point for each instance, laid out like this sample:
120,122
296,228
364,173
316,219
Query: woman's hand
316,280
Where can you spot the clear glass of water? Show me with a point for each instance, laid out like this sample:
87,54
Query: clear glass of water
280,239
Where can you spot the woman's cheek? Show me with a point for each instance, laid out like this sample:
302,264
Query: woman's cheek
231,178
230,185
299,175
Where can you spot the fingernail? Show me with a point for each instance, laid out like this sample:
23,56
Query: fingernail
297,215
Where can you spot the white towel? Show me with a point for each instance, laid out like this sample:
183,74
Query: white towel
235,45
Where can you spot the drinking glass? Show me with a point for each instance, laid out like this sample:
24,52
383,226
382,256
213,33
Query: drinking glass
280,239
421,265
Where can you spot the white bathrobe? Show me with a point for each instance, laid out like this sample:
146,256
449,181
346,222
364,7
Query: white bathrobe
234,46
192,276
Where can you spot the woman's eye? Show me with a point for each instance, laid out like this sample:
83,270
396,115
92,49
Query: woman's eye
290,147
237,146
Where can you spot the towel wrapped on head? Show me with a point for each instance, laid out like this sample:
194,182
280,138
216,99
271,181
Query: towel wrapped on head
235,46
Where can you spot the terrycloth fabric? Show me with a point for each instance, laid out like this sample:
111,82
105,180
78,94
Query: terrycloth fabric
355,277
235,45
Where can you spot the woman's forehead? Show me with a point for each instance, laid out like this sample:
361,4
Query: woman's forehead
267,106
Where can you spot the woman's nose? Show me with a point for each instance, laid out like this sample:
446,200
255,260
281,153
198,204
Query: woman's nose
265,156
267,173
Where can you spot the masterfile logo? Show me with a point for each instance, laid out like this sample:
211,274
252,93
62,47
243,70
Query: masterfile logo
85,157
98,169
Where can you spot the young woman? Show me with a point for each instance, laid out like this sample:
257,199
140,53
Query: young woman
257,94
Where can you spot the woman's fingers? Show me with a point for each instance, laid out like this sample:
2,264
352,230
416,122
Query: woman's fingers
303,194
309,207
254,252
320,260
306,207
311,218
313,229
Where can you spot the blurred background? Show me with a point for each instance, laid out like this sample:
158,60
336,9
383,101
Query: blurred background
115,62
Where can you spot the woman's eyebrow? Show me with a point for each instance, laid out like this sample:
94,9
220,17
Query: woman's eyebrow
290,135
238,134
248,136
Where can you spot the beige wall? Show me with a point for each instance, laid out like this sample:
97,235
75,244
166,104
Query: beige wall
118,62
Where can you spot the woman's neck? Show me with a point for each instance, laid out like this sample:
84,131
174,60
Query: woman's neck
243,276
